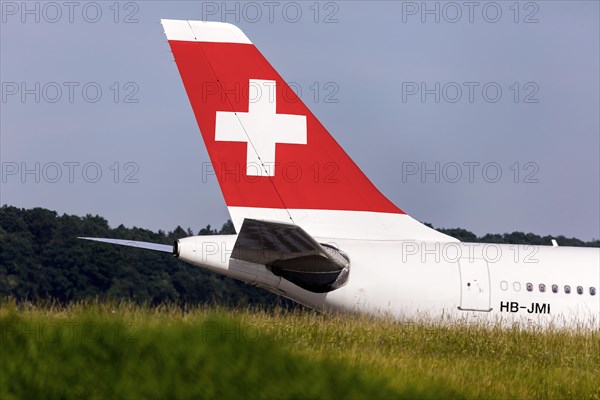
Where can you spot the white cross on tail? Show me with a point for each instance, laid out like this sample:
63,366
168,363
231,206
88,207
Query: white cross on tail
261,128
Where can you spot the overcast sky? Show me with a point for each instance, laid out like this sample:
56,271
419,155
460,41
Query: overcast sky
464,92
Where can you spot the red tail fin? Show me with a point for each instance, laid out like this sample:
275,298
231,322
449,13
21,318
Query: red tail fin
272,157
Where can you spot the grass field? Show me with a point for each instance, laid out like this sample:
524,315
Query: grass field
126,351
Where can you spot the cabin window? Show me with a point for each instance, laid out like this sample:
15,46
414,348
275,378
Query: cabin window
517,286
554,288
542,287
567,289
529,287
593,291
504,285
579,290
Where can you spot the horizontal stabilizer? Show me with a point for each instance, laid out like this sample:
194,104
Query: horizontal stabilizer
288,251
132,243
264,242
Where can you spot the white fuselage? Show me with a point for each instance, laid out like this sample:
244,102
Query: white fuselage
436,281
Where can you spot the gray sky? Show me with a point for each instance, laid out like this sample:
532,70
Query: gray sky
362,68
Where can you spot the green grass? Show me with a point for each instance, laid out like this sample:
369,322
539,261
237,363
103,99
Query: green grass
128,351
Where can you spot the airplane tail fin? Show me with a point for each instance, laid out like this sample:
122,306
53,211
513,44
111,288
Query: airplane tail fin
272,157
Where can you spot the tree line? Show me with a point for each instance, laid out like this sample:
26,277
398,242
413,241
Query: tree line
42,259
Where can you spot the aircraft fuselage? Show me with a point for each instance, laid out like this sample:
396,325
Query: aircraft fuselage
436,281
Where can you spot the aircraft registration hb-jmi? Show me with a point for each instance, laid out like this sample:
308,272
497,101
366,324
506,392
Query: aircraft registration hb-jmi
313,228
